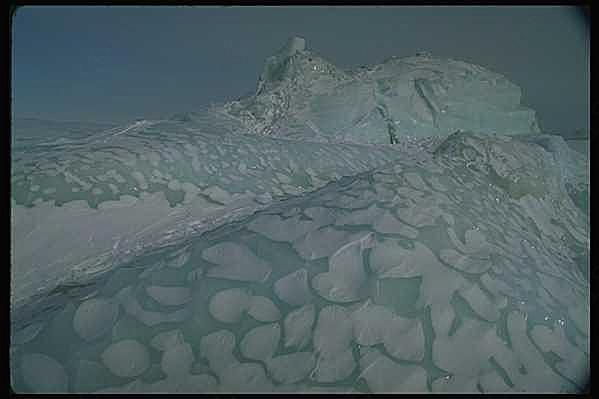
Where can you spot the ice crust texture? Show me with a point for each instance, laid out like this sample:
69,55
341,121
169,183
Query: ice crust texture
268,245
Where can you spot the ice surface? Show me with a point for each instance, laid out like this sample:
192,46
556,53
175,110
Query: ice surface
80,235
383,375
132,306
475,251
323,242
95,317
27,333
236,262
293,288
44,374
177,359
332,338
291,368
261,342
169,296
127,358
346,275
167,339
278,229
263,309
402,338
250,248
229,305
245,377
217,347
298,326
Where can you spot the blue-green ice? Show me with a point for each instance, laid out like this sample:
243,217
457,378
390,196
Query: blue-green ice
403,227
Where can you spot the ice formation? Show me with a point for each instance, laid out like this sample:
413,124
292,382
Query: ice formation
330,233
301,95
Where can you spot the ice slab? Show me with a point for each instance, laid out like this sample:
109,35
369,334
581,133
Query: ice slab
322,243
169,296
263,309
293,288
291,368
167,339
298,326
402,338
131,306
236,262
177,359
332,338
346,275
229,305
383,375
261,342
44,374
95,317
126,358
218,347
245,377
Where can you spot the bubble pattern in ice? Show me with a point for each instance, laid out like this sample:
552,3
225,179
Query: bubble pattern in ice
456,273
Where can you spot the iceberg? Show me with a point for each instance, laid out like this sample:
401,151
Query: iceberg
402,227
301,95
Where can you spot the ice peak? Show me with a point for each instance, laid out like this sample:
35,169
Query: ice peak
293,63
293,45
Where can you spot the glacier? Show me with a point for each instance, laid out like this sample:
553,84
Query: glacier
401,227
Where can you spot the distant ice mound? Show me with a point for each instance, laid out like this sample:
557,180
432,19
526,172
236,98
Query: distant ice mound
303,96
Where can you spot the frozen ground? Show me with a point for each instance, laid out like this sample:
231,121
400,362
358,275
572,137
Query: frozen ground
286,246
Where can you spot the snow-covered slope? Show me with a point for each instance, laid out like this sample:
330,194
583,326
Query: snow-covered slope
82,207
301,95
